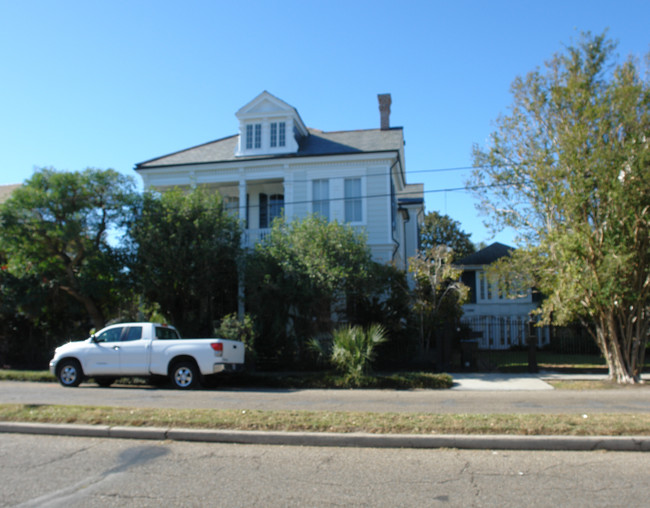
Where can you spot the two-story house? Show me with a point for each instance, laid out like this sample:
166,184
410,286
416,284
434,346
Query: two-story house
498,319
276,165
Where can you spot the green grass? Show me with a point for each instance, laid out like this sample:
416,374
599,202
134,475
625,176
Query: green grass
517,361
327,421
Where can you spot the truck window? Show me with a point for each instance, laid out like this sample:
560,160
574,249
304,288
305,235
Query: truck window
166,333
132,333
110,335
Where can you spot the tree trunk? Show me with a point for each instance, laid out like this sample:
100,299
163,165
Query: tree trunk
94,312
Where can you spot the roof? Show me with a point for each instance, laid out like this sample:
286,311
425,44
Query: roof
6,191
487,255
318,143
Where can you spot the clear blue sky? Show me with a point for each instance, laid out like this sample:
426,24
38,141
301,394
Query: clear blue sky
112,83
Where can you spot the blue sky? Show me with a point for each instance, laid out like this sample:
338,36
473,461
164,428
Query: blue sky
113,83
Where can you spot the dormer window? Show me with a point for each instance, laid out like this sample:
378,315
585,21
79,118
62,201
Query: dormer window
269,126
278,134
253,136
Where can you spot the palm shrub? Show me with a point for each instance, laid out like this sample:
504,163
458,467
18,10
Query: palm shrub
353,350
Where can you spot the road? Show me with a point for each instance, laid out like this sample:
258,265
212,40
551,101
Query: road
48,471
629,400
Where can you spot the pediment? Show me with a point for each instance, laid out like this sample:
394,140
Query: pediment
264,105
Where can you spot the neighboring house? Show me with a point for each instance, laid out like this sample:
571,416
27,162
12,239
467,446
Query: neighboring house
498,320
277,165
6,191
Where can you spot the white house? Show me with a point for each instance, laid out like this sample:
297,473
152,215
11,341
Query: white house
499,320
276,164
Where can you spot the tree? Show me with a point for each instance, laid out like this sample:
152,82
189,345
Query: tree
437,229
568,168
56,227
306,272
438,296
184,257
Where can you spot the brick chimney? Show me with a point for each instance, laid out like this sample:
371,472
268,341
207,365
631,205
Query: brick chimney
384,110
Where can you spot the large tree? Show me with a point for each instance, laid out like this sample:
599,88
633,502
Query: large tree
184,257
306,274
56,228
569,169
437,229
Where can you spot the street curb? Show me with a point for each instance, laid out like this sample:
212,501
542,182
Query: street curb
358,440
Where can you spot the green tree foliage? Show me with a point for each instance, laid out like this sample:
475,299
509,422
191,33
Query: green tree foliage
184,257
569,168
55,230
233,328
438,294
306,272
437,229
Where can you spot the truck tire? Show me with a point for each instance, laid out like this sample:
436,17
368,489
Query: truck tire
69,372
185,375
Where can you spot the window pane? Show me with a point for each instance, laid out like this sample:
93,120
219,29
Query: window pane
133,333
321,196
274,134
281,140
258,135
353,200
276,204
249,137
112,335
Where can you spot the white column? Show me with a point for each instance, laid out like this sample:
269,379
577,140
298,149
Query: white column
288,194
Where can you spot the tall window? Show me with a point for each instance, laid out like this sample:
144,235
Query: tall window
249,137
270,208
321,197
253,136
353,212
258,135
278,137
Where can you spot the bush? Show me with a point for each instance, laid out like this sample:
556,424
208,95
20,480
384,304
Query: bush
352,350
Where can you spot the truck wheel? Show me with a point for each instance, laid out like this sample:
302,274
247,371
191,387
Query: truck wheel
69,372
104,382
185,375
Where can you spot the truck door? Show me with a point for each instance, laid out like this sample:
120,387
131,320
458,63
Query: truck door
104,354
134,352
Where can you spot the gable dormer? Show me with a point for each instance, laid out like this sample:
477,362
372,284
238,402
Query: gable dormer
268,126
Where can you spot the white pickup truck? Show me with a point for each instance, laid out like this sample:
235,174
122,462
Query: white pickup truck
144,349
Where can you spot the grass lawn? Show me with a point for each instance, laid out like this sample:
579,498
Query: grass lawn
338,421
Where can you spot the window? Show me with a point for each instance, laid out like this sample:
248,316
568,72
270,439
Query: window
249,137
253,136
281,134
353,200
163,333
258,135
231,205
110,335
278,137
276,204
321,197
132,333
270,208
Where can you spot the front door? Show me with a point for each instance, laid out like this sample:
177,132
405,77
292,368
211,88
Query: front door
104,353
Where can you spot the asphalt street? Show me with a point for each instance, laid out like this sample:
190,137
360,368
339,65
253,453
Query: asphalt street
476,394
48,471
